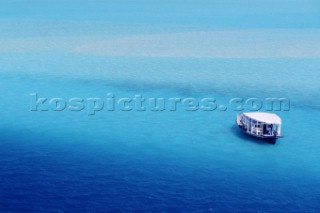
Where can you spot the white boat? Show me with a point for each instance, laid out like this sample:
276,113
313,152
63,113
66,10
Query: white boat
260,124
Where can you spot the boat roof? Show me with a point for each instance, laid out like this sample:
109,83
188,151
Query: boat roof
264,117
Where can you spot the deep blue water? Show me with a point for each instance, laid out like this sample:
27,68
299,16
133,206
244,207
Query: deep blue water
152,161
146,161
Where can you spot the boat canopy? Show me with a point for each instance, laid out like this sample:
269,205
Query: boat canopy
264,117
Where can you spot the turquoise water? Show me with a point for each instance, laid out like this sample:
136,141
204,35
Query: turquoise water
170,161
150,161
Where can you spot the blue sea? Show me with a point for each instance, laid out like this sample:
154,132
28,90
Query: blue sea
158,161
